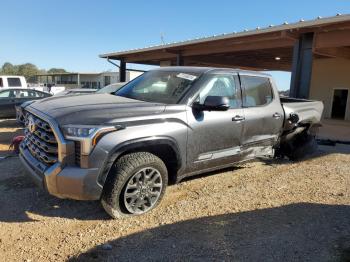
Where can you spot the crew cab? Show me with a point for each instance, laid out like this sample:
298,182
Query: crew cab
124,148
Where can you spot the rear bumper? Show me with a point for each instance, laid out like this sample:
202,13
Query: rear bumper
63,182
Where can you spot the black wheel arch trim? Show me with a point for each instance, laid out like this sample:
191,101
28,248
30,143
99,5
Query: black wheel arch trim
144,142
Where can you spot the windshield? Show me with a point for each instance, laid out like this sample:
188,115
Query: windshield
159,86
110,88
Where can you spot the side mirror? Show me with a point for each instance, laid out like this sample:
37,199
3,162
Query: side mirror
213,103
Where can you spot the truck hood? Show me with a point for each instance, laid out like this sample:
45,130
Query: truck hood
94,109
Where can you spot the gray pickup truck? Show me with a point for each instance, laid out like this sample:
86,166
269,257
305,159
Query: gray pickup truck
124,148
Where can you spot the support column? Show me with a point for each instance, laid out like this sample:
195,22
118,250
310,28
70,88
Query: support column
122,71
78,80
179,60
302,67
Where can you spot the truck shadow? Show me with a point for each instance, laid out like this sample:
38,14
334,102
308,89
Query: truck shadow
296,232
22,201
34,204
321,151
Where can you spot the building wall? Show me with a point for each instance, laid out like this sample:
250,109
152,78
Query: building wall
130,75
329,74
97,80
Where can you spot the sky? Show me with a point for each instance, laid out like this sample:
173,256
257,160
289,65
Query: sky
70,34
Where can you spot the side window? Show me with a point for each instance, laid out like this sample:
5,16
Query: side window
22,94
5,94
1,83
221,85
14,82
257,91
32,93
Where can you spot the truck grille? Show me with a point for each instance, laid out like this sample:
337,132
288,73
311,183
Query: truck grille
40,140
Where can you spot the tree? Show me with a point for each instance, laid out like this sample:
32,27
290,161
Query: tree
56,71
8,69
28,70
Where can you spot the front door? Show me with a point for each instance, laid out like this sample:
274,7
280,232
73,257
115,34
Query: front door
7,103
214,136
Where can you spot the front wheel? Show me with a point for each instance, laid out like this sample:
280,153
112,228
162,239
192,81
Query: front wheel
135,185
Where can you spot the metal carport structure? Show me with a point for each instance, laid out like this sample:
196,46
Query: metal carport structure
287,47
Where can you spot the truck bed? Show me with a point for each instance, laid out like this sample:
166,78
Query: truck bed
308,111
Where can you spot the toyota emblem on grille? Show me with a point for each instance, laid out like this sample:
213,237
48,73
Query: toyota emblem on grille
31,125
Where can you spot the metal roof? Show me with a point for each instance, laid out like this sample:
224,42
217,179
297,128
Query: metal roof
202,70
86,73
319,21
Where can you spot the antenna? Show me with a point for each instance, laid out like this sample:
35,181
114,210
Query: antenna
162,38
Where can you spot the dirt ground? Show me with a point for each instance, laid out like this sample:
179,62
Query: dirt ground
273,210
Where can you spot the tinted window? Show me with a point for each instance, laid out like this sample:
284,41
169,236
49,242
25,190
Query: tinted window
13,81
32,93
257,91
21,93
1,84
221,86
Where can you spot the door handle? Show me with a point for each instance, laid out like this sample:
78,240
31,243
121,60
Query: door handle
276,115
238,118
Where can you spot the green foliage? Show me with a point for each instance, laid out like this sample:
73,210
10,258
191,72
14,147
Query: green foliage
27,70
9,69
56,71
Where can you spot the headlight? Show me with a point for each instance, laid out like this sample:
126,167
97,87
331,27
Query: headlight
87,135
78,131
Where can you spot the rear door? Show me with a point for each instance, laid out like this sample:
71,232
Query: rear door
23,95
35,95
263,111
215,136
7,103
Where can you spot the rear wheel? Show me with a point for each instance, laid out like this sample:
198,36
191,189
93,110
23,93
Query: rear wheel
303,145
136,185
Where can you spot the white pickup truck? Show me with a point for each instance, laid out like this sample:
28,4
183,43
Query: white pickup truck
20,82
13,82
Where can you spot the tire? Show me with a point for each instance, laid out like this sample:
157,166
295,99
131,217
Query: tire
303,147
130,190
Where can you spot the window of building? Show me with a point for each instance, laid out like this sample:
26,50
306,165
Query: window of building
107,80
257,91
14,81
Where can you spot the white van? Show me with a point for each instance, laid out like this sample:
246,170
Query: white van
13,82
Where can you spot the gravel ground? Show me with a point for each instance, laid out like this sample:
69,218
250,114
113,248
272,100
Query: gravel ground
264,210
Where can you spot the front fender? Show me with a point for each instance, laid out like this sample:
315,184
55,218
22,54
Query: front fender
142,144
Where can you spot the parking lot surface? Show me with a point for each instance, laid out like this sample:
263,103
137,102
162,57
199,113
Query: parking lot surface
270,210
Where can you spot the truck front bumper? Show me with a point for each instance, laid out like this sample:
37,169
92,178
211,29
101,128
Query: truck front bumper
63,181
